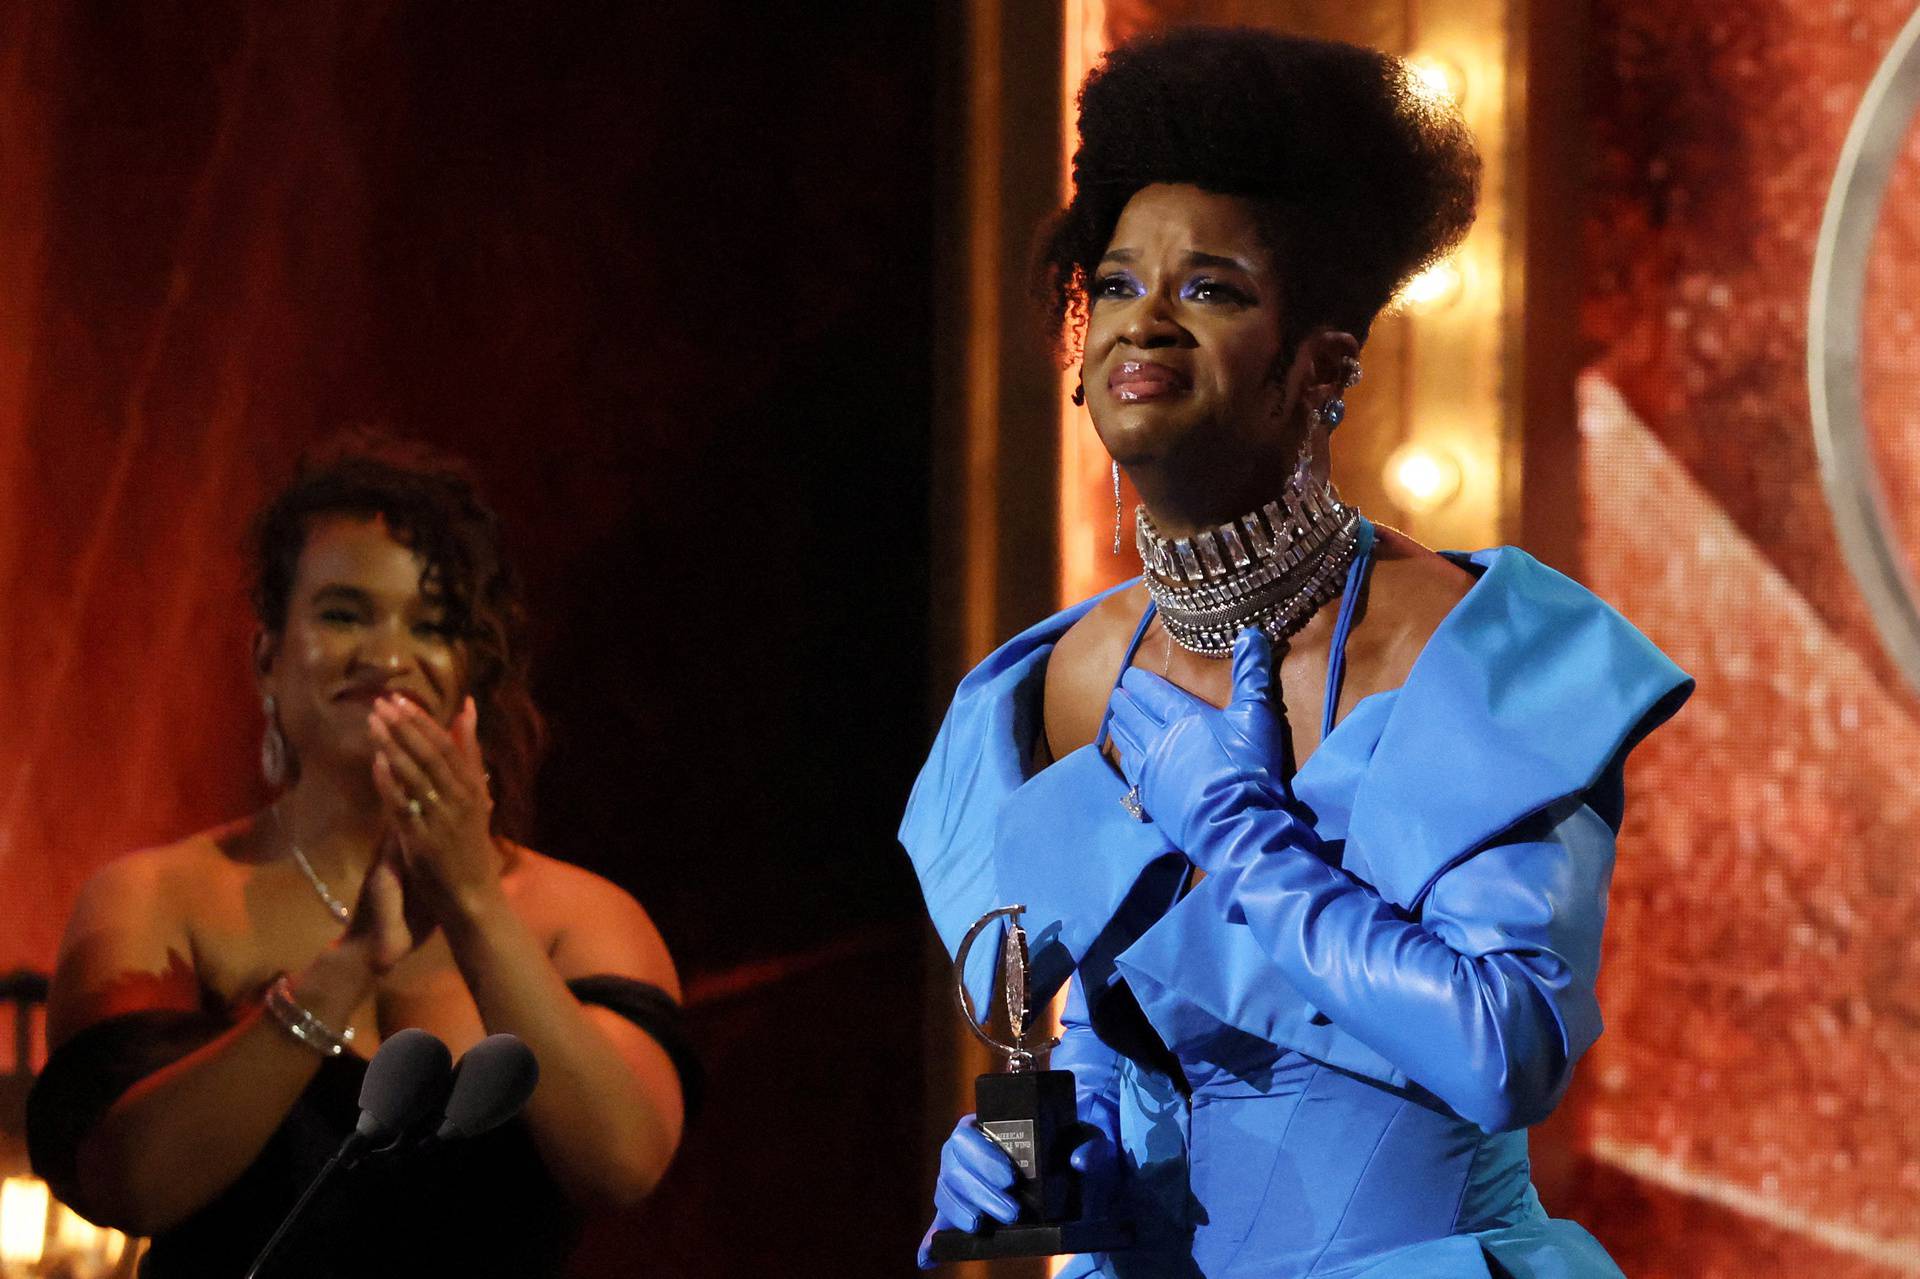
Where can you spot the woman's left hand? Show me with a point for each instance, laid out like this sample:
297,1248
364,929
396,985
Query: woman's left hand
1196,768
434,784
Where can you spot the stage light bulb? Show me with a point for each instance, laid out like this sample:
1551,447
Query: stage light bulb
1434,289
23,1220
1421,478
1439,82
90,1249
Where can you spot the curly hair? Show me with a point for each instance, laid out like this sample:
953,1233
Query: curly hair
431,504
1359,179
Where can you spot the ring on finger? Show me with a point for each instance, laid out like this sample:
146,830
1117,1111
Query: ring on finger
413,807
432,796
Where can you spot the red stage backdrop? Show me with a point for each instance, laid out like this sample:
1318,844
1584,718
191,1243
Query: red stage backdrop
624,259
1755,1093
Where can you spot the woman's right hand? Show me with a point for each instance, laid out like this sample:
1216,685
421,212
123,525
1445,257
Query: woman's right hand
976,1181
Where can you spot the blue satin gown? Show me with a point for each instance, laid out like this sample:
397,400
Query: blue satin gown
1334,1075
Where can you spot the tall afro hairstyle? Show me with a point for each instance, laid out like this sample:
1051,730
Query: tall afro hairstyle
1359,177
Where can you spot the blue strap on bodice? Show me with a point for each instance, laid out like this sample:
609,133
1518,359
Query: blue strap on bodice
1336,659
1349,605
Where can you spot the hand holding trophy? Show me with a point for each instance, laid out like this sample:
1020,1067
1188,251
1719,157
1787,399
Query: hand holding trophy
1028,1113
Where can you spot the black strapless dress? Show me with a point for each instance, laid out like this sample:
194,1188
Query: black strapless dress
476,1208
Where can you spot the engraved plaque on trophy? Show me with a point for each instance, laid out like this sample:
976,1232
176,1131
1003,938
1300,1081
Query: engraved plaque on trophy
1029,1113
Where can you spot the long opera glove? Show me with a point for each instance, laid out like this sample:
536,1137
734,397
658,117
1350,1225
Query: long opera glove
1485,999
1096,1094
976,1177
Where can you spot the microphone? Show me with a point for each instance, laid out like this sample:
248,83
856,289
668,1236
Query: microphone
491,1085
404,1081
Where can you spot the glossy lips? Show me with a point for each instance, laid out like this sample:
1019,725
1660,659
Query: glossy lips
1139,380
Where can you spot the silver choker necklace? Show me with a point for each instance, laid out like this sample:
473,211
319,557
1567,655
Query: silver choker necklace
1272,568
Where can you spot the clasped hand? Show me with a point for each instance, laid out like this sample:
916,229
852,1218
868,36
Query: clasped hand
977,1179
433,782
1200,770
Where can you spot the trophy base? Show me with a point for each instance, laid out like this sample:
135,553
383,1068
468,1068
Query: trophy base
1059,1239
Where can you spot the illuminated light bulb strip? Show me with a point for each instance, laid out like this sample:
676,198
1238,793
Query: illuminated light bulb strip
76,1237
24,1203
1434,289
1423,479
1436,80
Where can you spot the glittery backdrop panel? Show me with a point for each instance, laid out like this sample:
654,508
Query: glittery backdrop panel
1717,130
1762,988
1762,985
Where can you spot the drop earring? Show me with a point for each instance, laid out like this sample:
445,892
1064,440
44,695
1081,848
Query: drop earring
1334,411
1079,396
273,745
1116,508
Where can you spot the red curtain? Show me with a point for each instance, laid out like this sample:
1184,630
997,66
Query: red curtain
183,295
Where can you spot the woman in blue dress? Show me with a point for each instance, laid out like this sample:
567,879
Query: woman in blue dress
1321,822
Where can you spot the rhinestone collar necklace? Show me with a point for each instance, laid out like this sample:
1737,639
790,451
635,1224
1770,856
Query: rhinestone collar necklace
1272,568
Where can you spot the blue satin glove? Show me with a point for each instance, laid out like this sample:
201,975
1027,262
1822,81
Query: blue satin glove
976,1177
1096,1090
976,1181
1200,771
1486,999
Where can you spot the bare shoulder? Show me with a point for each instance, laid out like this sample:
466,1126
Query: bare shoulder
155,886
1418,571
1411,591
594,925
1083,666
128,944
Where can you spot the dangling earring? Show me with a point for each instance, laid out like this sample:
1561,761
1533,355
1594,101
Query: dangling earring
1116,508
1300,482
273,745
1079,395
1334,411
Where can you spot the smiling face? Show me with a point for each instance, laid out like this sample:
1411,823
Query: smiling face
358,625
1183,347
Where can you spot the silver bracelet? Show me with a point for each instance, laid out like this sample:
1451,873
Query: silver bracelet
303,1025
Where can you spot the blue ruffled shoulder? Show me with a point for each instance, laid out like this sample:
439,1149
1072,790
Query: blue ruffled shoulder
979,759
1525,701
1530,693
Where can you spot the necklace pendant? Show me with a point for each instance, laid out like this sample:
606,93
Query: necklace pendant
335,907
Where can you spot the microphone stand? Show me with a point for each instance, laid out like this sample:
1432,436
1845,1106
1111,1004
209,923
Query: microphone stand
351,1147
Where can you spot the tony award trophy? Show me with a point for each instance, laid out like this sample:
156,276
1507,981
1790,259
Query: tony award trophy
1029,1113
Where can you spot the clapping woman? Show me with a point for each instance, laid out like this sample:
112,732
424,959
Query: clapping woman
216,999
